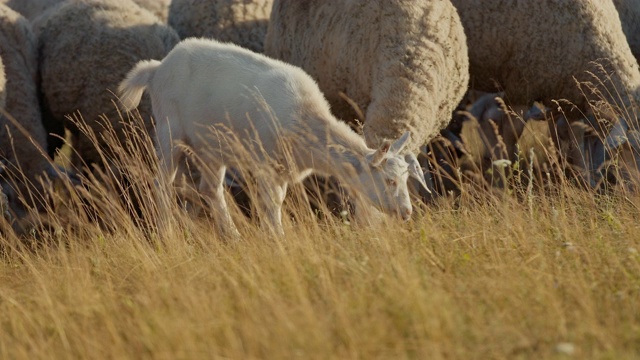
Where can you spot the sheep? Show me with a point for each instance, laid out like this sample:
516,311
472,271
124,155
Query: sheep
499,127
260,100
22,135
159,8
483,131
32,9
629,11
403,63
544,47
100,40
493,132
553,50
559,42
243,22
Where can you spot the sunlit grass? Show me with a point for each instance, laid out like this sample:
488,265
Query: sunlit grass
550,273
494,281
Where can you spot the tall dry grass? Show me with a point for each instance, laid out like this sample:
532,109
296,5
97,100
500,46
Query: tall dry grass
544,275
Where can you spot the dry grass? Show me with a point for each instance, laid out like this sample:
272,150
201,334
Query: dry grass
494,281
543,277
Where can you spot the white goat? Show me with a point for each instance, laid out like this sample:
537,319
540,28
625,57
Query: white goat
259,100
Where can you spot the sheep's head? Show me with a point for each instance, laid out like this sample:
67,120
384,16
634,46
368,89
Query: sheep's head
21,200
11,206
384,178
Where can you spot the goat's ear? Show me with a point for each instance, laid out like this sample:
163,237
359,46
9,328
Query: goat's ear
399,144
379,155
415,171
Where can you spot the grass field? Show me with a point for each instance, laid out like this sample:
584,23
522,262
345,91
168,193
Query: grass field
538,274
499,279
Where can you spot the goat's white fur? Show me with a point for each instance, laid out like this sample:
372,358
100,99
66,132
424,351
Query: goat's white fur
205,83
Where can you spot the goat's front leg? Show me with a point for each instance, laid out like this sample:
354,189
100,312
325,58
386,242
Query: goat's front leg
270,206
211,187
365,214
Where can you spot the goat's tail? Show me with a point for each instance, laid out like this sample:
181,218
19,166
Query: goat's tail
132,87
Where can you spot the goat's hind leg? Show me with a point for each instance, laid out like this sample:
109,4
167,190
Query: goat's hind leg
168,162
270,205
211,187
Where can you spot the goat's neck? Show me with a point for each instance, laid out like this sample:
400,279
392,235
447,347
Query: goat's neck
336,150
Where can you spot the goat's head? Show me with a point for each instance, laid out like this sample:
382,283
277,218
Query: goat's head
384,178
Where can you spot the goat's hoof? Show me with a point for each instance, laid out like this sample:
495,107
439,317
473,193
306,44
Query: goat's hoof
232,236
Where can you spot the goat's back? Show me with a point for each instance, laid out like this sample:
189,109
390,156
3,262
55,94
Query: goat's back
206,82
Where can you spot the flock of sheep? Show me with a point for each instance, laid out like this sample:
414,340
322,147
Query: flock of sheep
358,89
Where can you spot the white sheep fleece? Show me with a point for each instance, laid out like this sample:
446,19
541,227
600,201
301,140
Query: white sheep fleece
242,22
403,62
20,144
629,11
32,9
539,50
103,39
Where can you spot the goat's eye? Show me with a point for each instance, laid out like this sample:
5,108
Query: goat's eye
391,182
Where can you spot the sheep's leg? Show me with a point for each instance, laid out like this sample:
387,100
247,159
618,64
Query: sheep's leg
211,187
577,153
513,128
270,206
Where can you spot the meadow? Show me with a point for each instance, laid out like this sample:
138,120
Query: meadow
518,265
492,276
545,269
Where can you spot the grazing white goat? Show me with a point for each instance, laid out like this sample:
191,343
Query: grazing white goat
256,99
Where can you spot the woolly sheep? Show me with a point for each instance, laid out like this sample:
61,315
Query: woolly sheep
22,141
535,50
493,133
265,101
31,9
242,22
404,63
86,47
482,131
629,11
159,8
541,50
498,127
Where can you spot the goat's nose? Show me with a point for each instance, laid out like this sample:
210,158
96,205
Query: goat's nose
405,214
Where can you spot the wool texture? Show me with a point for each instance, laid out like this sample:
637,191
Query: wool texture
403,63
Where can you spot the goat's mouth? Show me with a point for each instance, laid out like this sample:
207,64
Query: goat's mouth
404,214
